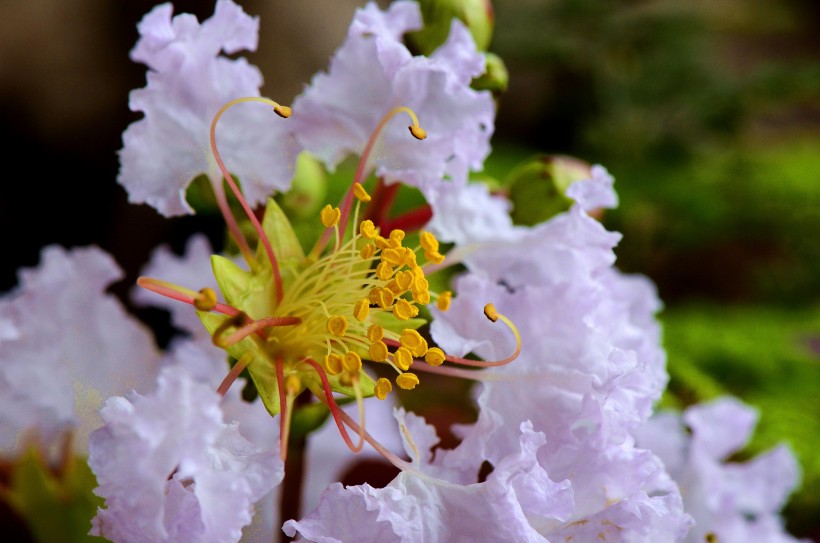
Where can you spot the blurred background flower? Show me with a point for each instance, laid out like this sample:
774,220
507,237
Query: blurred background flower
707,113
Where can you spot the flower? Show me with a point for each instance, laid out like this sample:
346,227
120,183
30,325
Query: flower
734,502
170,469
188,82
421,504
519,501
65,345
590,367
338,115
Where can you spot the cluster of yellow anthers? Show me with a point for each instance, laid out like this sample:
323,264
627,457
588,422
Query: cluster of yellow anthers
392,282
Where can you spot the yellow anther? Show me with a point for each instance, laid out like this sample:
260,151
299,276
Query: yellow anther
710,537
396,237
404,280
417,271
418,132
393,256
420,350
383,388
421,284
403,358
421,296
384,271
368,230
293,384
407,381
414,342
282,111
393,286
206,299
410,258
360,193
368,251
428,242
403,310
384,297
381,243
333,364
434,357
378,351
330,215
337,325
490,312
352,362
375,333
361,309
434,256
444,299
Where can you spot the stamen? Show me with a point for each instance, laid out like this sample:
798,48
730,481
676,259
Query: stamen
282,111
337,325
435,357
407,381
408,339
378,351
360,193
417,131
255,326
389,456
383,388
237,368
284,417
444,300
360,405
337,413
207,299
182,294
330,216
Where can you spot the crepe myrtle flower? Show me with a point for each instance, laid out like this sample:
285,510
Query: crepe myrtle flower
188,81
65,346
301,320
342,110
170,468
731,502
519,501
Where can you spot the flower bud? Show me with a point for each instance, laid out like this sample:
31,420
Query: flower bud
537,187
495,78
438,15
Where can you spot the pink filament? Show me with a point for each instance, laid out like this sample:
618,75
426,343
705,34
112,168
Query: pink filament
333,406
169,292
465,362
277,277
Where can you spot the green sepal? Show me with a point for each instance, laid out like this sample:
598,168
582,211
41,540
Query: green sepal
283,240
261,370
56,506
254,292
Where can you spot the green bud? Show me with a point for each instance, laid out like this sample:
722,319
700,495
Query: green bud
495,78
538,186
438,15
